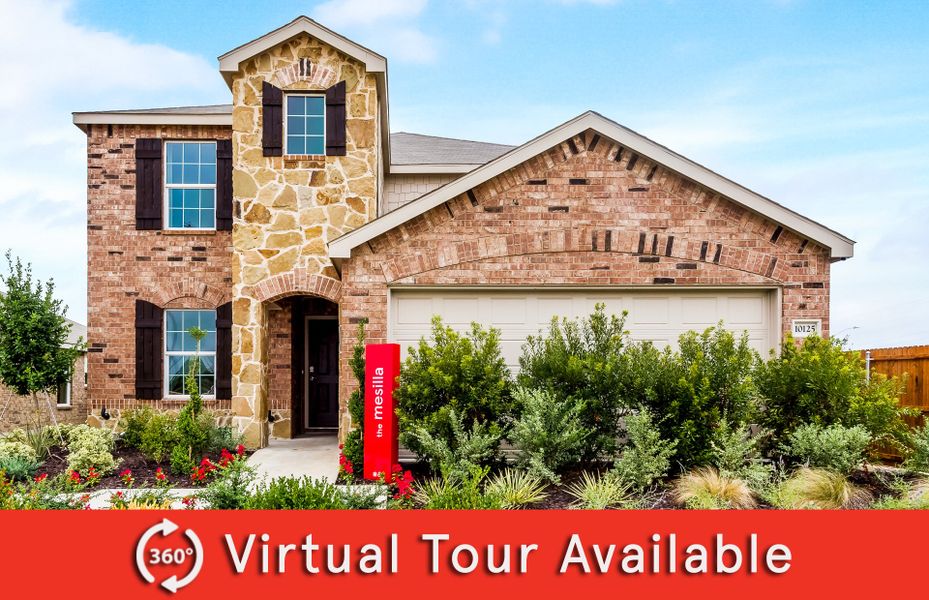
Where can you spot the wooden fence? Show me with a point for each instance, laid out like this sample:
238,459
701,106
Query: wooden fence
913,361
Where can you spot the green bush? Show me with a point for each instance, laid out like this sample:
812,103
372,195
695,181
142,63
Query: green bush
516,489
19,468
737,455
918,457
229,488
218,437
579,362
453,373
354,450
16,449
353,447
159,436
819,382
90,447
835,448
464,493
135,421
646,457
548,433
458,454
600,492
306,493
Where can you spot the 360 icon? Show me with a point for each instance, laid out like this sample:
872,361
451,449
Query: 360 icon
146,557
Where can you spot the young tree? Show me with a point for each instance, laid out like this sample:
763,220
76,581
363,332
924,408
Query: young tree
34,353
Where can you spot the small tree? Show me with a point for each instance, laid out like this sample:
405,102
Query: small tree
191,435
353,448
34,352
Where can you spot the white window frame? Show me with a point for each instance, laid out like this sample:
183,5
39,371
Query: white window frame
166,375
304,95
166,196
67,402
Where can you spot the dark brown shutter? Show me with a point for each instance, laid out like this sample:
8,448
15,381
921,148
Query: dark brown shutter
148,190
149,354
224,185
224,351
335,120
272,120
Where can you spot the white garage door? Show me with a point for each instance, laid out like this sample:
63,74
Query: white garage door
659,316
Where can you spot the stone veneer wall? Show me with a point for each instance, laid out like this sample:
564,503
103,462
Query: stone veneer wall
404,188
287,208
630,222
171,269
19,411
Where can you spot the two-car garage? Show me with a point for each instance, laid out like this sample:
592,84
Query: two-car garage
656,315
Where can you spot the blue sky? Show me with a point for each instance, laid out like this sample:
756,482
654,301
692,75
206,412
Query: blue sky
822,106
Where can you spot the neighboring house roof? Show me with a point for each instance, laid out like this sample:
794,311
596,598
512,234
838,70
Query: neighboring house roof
78,333
839,245
414,150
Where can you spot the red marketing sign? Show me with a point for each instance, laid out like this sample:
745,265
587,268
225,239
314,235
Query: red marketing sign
382,366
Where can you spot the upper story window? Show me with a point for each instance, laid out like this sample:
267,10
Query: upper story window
305,124
190,185
181,348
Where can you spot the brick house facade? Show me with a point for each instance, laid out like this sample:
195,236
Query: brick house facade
392,228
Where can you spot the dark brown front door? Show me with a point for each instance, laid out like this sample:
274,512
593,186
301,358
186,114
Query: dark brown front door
322,373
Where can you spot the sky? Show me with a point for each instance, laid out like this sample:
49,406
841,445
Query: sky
822,106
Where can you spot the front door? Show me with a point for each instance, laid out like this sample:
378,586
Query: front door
322,373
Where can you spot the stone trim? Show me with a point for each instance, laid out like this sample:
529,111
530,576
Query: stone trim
191,288
294,283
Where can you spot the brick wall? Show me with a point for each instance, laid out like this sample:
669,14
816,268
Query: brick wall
582,213
18,411
401,189
172,270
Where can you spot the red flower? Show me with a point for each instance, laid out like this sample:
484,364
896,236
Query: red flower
240,449
75,477
159,474
41,478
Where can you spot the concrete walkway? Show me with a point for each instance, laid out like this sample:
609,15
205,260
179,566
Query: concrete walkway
316,456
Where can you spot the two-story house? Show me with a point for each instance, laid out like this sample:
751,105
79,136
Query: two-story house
279,222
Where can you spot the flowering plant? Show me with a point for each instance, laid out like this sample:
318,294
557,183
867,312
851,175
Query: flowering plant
127,478
346,468
400,485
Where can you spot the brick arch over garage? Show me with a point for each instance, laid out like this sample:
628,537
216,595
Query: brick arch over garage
298,282
191,288
600,245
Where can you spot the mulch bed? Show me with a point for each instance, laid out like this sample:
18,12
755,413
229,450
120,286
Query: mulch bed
143,469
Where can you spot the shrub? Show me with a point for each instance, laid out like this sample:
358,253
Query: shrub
307,493
453,373
218,437
135,421
42,439
159,436
90,448
736,454
353,448
820,489
706,488
579,362
918,458
836,448
646,457
18,468
442,493
456,455
913,497
516,489
599,492
818,382
229,486
548,434
15,449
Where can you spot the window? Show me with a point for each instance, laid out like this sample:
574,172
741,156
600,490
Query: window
181,348
305,120
190,185
64,395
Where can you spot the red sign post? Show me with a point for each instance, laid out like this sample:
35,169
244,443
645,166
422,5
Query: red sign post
382,366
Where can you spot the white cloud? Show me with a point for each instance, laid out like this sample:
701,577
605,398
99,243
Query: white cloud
389,27
52,67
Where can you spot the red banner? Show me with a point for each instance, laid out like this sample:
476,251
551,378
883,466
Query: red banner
421,554
382,366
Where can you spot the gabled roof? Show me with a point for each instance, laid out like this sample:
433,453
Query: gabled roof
78,333
209,114
839,245
412,152
230,61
